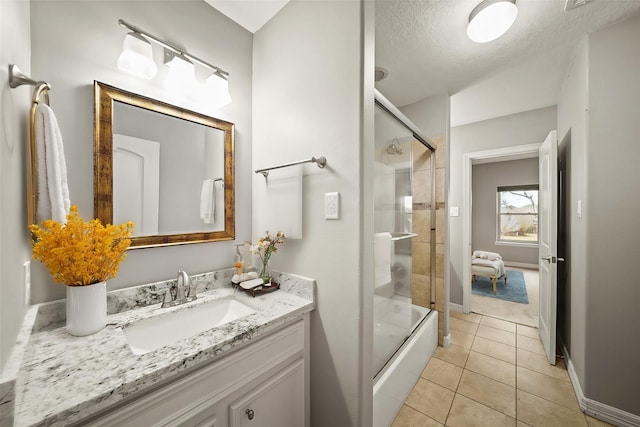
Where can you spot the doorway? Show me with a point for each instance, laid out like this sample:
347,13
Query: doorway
529,276
505,222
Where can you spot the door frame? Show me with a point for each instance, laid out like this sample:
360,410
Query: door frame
494,155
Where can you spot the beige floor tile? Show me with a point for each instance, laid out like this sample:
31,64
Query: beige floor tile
409,417
538,362
443,373
494,349
461,339
546,387
529,331
593,422
452,354
491,367
498,324
498,335
489,392
463,325
531,344
431,399
521,424
536,411
466,412
471,317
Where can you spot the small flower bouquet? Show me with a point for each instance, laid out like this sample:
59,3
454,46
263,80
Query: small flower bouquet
265,247
81,253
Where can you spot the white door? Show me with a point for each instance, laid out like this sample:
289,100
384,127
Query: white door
548,232
136,183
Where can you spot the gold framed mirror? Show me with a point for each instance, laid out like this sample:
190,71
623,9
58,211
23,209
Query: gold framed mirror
168,169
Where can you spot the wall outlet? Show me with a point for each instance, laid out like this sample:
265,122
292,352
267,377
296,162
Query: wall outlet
332,205
26,276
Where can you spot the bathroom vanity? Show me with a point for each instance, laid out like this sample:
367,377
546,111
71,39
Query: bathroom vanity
251,370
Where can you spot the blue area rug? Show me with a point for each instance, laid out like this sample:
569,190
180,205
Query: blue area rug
515,289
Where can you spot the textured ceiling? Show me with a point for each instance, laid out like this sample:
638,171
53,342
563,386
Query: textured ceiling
424,46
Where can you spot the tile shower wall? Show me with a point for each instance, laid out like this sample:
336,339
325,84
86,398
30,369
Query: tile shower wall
422,212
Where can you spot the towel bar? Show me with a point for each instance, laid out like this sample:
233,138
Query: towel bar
320,161
18,78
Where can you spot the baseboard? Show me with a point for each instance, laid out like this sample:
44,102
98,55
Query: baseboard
456,307
521,265
597,409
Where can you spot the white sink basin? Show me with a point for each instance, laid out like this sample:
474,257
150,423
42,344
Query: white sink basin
165,329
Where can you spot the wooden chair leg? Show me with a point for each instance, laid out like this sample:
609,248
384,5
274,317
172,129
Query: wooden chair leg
495,279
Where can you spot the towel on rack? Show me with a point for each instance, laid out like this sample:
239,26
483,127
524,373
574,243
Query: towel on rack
279,202
207,201
382,258
53,191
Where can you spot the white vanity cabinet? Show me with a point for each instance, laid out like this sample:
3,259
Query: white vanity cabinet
263,384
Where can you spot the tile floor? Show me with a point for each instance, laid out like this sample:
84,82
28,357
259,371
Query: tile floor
495,373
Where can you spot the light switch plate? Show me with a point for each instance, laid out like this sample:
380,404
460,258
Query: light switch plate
454,211
332,205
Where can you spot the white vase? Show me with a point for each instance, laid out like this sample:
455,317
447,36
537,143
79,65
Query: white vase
86,309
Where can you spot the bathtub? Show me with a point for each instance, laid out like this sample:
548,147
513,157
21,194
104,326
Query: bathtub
396,380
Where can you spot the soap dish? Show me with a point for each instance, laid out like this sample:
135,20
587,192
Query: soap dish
258,290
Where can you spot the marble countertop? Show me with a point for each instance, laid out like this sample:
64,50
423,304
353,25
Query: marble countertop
62,379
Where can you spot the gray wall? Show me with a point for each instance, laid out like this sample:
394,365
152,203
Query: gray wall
598,125
308,101
486,178
15,245
75,43
517,129
613,236
572,135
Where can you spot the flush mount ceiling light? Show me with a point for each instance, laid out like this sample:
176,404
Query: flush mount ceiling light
490,19
137,58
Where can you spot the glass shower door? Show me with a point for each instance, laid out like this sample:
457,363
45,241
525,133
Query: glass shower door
393,226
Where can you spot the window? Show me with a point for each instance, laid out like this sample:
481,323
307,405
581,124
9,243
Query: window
518,214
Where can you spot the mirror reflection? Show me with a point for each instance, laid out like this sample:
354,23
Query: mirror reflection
167,169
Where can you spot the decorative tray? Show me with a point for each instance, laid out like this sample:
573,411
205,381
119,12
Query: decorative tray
258,290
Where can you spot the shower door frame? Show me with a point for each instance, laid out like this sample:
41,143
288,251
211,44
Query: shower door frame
393,111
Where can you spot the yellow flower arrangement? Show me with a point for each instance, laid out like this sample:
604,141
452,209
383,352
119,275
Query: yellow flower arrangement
80,253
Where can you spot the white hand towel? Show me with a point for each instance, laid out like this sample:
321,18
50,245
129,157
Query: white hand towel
382,258
207,206
53,191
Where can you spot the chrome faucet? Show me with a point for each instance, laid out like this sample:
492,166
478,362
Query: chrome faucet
180,292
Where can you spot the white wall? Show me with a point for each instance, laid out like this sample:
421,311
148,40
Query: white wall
75,43
431,115
486,180
15,245
613,158
517,129
308,101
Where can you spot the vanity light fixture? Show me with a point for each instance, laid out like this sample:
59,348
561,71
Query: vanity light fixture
180,62
137,56
490,19
182,74
218,87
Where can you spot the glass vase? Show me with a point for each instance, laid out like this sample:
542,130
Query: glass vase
265,274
